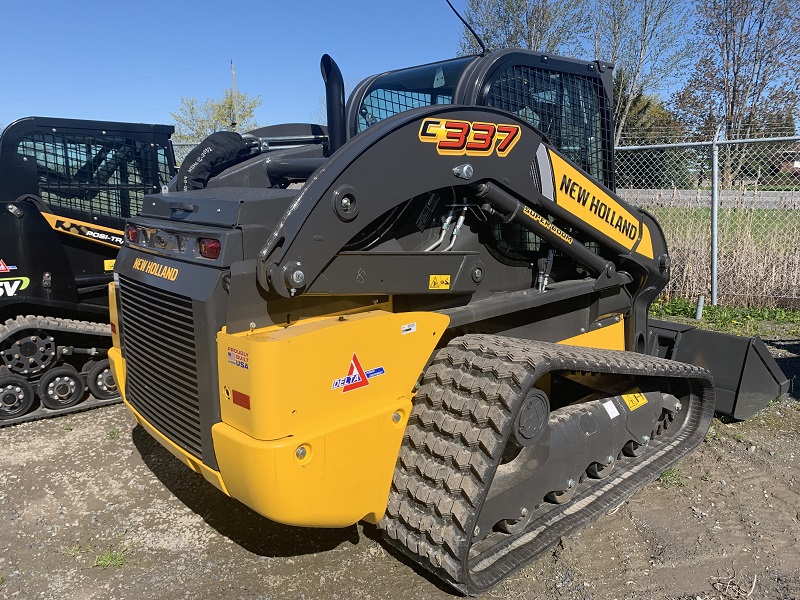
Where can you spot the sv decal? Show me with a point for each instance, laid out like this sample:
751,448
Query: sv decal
456,138
11,285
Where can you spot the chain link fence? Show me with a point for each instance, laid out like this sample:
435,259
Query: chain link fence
729,212
743,252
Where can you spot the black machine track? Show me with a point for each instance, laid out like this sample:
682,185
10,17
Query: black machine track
464,415
94,334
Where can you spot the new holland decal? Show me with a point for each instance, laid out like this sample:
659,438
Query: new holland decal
157,269
456,138
356,376
584,199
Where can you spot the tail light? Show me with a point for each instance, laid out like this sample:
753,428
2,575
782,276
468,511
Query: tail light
210,248
133,234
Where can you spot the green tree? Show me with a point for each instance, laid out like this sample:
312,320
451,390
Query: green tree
194,120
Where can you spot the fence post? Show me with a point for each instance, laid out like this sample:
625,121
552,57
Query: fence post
714,209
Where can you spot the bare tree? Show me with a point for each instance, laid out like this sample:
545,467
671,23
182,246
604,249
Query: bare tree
541,25
647,41
745,84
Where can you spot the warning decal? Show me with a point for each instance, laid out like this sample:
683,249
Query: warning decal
634,399
439,282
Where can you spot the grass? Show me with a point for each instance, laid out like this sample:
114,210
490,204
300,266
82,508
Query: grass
730,319
110,558
2,580
672,477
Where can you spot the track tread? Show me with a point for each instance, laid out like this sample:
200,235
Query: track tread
462,416
20,323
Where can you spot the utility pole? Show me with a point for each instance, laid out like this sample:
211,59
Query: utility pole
235,124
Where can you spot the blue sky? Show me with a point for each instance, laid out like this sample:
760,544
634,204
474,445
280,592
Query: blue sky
133,61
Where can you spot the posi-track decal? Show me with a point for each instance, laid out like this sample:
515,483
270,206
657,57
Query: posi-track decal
588,202
96,233
456,138
356,376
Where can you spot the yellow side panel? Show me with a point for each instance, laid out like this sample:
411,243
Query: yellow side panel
333,385
584,199
113,314
611,337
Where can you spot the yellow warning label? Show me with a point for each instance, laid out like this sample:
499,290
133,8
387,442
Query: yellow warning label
439,282
108,265
634,399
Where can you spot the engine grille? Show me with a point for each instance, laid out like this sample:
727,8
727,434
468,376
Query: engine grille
162,361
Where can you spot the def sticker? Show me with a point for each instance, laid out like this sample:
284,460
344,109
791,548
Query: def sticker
238,358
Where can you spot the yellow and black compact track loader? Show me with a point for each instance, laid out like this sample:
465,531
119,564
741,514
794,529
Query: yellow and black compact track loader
431,315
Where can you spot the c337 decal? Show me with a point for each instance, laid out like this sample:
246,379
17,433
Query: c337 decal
456,138
96,233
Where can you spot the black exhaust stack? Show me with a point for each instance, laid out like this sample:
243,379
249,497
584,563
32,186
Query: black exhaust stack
334,99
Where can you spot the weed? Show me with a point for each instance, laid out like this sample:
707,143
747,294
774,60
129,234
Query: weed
2,580
113,433
66,427
707,476
672,477
73,550
110,558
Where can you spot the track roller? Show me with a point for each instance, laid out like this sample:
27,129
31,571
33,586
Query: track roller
61,387
101,382
16,395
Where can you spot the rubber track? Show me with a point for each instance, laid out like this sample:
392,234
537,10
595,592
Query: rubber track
462,417
21,323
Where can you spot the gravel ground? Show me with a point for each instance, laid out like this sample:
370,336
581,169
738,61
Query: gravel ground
92,507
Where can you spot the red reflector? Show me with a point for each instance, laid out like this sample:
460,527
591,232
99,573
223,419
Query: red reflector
241,399
210,248
133,234
113,328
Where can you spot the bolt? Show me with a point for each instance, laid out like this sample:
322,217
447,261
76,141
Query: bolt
609,459
477,531
645,439
678,406
252,325
523,512
396,417
298,277
464,171
570,483
300,452
346,202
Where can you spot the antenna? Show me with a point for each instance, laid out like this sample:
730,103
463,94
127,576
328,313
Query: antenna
471,30
235,124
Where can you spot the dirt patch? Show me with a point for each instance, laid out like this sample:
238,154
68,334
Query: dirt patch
92,507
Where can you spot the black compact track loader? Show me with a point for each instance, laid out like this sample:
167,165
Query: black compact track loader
432,315
66,188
